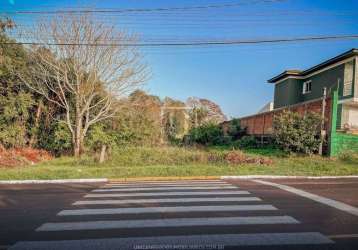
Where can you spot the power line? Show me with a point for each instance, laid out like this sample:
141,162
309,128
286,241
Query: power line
198,43
160,40
215,6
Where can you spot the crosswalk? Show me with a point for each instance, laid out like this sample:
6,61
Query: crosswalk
170,215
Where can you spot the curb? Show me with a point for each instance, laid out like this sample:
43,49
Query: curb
243,177
174,178
286,177
228,177
54,181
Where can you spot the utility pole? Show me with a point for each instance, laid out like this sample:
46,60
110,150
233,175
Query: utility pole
323,131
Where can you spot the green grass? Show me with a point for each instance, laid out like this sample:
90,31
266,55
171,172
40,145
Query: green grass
171,161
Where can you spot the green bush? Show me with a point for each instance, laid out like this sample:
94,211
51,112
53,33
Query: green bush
207,134
222,140
296,133
14,119
234,130
99,135
246,141
57,140
213,135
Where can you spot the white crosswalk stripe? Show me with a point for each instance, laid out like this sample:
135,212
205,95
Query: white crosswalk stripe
209,193
167,185
180,242
131,200
161,188
177,209
193,182
166,200
180,222
168,182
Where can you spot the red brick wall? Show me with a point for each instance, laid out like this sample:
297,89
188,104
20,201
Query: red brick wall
261,124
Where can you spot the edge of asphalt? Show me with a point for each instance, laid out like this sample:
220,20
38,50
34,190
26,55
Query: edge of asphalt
175,178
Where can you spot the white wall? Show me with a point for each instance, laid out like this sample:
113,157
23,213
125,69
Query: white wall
266,108
350,116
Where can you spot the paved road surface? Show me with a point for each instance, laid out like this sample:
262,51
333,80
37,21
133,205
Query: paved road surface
180,215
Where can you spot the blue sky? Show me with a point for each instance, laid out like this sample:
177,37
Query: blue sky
233,76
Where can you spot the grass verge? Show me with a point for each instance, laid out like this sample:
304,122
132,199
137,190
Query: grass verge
171,162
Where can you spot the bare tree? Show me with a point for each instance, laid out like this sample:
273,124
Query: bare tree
83,66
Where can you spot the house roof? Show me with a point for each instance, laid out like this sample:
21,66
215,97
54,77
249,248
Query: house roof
345,55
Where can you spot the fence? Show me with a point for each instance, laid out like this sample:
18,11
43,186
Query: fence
262,124
338,141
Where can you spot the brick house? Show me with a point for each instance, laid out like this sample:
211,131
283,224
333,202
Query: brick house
338,73
303,90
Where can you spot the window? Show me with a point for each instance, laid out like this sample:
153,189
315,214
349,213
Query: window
307,87
348,79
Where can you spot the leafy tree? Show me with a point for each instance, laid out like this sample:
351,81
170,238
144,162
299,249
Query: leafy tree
100,135
14,118
101,138
16,101
296,133
140,119
204,111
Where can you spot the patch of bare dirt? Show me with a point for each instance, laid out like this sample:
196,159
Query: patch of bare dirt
238,157
22,156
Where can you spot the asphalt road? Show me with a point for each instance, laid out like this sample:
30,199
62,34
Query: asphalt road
231,214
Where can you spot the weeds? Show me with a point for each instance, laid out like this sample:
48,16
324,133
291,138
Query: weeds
175,161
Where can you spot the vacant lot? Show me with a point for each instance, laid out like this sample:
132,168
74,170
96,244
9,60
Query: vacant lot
175,161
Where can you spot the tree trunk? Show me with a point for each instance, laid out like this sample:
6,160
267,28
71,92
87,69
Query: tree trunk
77,131
36,125
77,146
77,139
103,153
82,144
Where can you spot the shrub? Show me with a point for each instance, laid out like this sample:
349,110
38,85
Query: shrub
222,140
296,133
207,134
235,130
57,139
98,136
246,141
